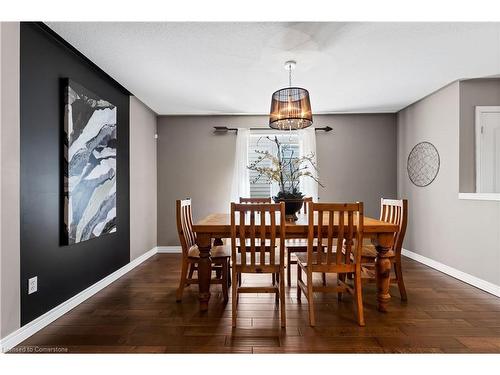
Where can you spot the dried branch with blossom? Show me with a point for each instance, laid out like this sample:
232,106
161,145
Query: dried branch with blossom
286,169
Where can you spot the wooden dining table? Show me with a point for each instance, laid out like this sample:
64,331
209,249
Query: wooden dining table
215,227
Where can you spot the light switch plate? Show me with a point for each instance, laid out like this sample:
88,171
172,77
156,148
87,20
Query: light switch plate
33,285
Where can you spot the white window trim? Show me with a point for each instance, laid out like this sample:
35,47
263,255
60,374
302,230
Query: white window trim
479,196
479,111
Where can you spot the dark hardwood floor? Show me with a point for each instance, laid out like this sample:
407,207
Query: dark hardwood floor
138,313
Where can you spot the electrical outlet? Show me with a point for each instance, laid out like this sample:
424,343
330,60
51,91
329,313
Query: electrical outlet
33,285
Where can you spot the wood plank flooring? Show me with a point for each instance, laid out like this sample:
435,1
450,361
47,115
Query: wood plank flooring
138,313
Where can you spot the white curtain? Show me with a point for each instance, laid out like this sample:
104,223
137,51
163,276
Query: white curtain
307,143
240,186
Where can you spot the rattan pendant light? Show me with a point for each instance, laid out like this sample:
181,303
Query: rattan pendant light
290,106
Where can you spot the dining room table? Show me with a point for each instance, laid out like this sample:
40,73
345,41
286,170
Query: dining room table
215,227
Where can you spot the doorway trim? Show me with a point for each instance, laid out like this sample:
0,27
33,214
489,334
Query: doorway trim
480,109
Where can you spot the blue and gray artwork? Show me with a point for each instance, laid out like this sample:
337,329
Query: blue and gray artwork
90,165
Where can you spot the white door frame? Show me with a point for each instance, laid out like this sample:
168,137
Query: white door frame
480,109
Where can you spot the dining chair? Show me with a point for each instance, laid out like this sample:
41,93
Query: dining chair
255,200
339,226
394,212
251,226
220,255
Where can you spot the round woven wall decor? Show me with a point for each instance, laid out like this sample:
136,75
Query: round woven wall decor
423,164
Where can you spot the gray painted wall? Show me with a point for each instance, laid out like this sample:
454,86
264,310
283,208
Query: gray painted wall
10,299
462,234
142,178
473,92
357,161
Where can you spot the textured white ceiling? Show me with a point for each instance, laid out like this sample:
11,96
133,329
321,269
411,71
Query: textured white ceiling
232,68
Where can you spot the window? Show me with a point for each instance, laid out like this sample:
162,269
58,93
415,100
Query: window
258,141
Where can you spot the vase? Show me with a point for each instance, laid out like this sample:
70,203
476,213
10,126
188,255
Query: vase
292,206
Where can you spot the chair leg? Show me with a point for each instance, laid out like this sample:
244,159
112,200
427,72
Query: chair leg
299,278
191,271
289,267
274,279
182,282
399,277
282,299
225,280
359,297
239,276
234,297
341,277
310,298
323,277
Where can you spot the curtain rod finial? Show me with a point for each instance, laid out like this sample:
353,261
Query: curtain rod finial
224,129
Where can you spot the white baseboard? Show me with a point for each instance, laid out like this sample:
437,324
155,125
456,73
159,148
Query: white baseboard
462,276
169,249
21,334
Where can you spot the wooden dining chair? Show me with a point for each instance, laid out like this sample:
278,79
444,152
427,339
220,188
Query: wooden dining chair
251,226
255,200
394,212
339,226
220,255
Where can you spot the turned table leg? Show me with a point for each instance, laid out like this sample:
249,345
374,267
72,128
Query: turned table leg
204,269
383,243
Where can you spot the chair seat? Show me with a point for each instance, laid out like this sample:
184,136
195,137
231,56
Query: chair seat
223,251
370,252
302,258
267,258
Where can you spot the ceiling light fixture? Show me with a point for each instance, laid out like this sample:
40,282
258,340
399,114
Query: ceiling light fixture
290,106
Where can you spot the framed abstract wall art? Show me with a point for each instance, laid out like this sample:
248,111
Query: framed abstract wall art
89,164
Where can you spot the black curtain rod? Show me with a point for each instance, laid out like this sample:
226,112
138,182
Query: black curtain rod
225,129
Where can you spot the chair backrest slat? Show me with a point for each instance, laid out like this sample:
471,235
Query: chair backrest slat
350,236
255,200
320,249
263,226
345,224
272,236
262,237
184,220
252,237
395,211
243,242
329,250
306,201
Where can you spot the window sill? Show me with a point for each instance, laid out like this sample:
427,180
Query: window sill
479,196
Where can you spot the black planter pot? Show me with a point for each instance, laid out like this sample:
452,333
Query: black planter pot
292,206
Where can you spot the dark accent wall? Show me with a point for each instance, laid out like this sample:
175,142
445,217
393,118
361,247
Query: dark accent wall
63,271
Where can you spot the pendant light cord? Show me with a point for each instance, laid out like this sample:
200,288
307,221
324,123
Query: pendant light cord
289,76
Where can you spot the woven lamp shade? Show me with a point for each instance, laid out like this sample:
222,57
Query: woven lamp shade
290,109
